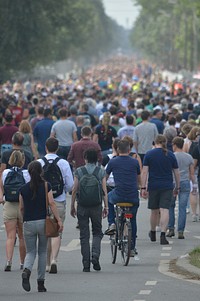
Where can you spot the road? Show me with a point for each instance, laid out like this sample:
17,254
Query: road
145,279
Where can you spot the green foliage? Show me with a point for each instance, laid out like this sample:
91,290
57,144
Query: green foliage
168,32
39,32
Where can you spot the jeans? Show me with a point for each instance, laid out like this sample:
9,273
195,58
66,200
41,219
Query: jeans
33,231
113,198
84,216
183,198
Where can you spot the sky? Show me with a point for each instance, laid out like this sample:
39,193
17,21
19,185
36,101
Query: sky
123,11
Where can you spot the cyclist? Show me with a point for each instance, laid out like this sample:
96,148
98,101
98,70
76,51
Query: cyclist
126,173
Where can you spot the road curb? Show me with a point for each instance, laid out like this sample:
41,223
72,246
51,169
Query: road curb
183,262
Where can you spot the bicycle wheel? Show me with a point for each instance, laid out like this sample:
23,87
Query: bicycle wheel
114,245
126,242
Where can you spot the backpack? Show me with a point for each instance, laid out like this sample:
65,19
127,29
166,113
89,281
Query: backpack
13,182
90,189
53,175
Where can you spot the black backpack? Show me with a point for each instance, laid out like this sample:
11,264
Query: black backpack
53,175
13,182
90,188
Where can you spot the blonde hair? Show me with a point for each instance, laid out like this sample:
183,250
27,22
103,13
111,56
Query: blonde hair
17,158
195,131
161,139
25,127
106,120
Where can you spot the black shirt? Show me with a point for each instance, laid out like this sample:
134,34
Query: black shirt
6,156
34,208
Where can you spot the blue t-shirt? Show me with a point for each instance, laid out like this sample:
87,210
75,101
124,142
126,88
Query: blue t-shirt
160,169
42,132
125,171
159,124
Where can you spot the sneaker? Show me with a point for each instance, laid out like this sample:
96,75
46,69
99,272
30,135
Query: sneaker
152,235
96,265
170,233
188,210
111,230
180,235
21,266
53,267
194,218
25,280
133,253
86,270
163,240
8,266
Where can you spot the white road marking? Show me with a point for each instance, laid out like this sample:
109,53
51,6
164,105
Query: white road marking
138,300
198,237
165,254
151,283
144,292
166,248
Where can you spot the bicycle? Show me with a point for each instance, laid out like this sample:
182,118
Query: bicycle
121,239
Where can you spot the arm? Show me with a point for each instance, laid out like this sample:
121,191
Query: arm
144,177
54,210
68,178
70,156
74,136
73,199
139,180
21,205
177,179
34,151
105,198
95,138
1,192
3,167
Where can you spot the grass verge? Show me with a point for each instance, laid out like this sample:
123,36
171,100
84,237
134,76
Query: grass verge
195,257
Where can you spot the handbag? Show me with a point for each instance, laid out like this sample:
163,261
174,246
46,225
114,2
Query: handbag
51,224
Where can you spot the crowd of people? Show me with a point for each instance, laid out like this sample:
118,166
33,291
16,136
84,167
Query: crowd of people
141,129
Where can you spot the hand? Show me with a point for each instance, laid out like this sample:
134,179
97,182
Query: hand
194,189
60,224
176,191
144,193
73,211
2,201
105,212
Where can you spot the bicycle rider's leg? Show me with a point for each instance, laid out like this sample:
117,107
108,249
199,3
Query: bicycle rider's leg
134,210
112,199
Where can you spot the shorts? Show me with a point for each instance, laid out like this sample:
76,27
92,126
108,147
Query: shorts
61,207
11,212
160,199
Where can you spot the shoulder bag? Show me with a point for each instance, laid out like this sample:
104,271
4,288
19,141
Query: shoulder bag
51,224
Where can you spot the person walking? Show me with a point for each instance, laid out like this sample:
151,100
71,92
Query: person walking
159,165
76,154
186,169
93,211
144,134
28,142
11,213
104,134
42,131
6,133
65,180
66,132
33,209
17,143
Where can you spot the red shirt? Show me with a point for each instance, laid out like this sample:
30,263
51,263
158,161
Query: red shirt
78,149
6,133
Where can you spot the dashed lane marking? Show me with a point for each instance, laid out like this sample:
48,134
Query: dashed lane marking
198,237
151,283
165,254
75,245
166,248
144,292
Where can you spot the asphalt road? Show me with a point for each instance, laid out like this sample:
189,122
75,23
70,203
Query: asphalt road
146,278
